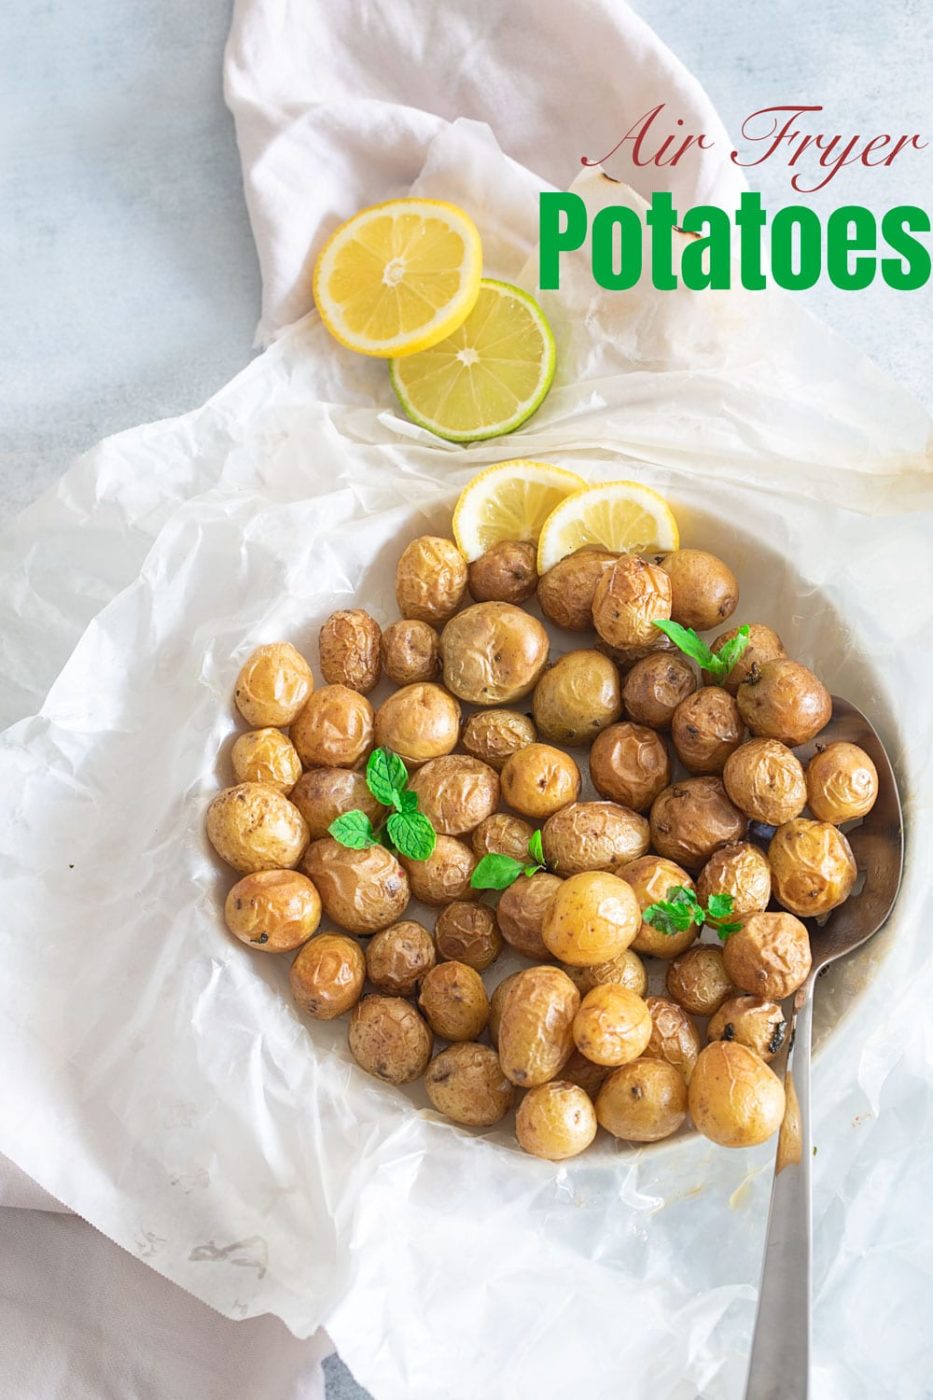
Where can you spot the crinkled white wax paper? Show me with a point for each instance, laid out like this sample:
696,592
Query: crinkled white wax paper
155,1076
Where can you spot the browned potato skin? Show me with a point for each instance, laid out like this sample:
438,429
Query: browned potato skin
626,656
692,819
493,653
349,647
430,580
454,1001
506,573
674,1038
536,1025
565,593
456,793
273,685
418,722
785,700
323,794
766,781
465,1082
629,764
594,917
750,1021
705,591
842,783
254,827
643,1101
698,980
335,729
612,1026
593,836
769,956
410,652
398,957
763,645
627,970
651,877
327,976
555,1121
706,729
496,1003
812,867
522,910
445,875
577,698
740,871
273,911
504,835
363,891
582,1072
655,686
734,1098
468,933
493,736
266,756
539,780
630,597
389,1039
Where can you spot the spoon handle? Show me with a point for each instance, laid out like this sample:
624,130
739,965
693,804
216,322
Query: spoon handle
780,1360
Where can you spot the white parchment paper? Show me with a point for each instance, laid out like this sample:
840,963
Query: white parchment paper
156,1078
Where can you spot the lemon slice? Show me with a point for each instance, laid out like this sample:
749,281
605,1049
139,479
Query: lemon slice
399,276
487,376
623,516
510,501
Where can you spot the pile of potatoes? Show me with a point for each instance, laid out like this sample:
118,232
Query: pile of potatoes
697,785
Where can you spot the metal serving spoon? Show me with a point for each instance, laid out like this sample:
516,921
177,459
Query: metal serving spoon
780,1359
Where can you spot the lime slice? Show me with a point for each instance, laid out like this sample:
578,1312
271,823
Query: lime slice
510,501
622,516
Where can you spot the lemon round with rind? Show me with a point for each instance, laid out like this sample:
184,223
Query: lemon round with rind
623,516
509,501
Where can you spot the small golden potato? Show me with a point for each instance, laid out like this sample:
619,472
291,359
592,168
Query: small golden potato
389,1039
536,1025
698,980
593,836
430,580
363,891
742,872
643,1101
273,910
254,827
629,764
630,597
465,1082
456,793
577,698
398,957
494,735
674,1038
410,652
842,783
538,780
812,867
655,686
652,878
349,645
327,976
502,835
273,684
522,910
612,1026
704,590
582,1072
323,794
750,1021
445,875
766,781
769,955
706,729
555,1121
594,917
496,1003
335,729
692,819
468,933
506,573
763,645
784,700
493,653
266,756
418,722
734,1098
454,1001
565,593
627,970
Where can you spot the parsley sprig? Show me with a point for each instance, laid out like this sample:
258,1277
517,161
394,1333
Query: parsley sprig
497,872
717,663
682,909
406,828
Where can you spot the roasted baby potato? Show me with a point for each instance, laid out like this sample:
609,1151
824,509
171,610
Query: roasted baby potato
335,729
627,970
763,645
363,891
706,729
629,765
323,794
521,912
643,1101
493,653
506,573
465,1082
655,686
468,933
692,819
812,867
594,917
254,827
454,1001
502,835
565,593
612,1026
327,976
273,910
593,836
784,700
273,685
350,650
418,722
538,780
630,597
734,1098
766,781
445,875
456,793
652,878
750,1021
704,590
555,1121
577,698
698,980
410,652
493,736
266,756
842,783
769,956
674,1038
398,957
536,1025
742,872
389,1039
430,580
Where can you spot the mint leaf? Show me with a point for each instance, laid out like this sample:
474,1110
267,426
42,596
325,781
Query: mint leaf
386,777
353,829
676,913
408,801
536,848
496,872
413,834
724,930
719,906
690,644
730,651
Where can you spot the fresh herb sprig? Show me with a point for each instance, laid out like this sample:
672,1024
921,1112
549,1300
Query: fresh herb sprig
497,872
682,909
406,828
717,663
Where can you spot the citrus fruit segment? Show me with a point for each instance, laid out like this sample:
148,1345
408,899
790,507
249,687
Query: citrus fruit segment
398,276
488,375
510,501
622,516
